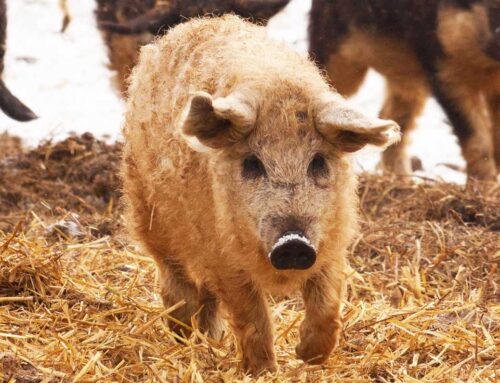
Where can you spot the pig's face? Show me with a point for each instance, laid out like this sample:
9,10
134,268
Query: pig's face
284,177
280,164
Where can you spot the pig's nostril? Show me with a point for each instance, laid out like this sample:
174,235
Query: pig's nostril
292,251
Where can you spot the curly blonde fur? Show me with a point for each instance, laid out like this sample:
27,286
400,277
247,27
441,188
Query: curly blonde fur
202,99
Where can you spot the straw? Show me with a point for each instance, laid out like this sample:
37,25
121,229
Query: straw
422,304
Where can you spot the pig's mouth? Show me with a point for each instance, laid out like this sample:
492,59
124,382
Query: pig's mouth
293,250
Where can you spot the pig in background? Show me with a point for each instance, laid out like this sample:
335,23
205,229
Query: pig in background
9,103
446,48
129,24
236,181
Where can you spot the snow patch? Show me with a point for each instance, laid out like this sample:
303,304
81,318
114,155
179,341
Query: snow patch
62,77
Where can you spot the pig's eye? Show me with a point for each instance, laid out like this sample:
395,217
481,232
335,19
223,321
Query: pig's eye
253,168
318,167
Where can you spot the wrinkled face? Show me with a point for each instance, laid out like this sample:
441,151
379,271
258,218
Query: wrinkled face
279,165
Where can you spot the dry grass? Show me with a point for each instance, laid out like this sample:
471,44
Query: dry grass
423,302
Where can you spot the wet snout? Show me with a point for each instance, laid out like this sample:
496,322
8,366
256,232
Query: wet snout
293,250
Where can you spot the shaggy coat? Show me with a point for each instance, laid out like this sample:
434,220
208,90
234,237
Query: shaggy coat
233,140
129,24
9,104
447,48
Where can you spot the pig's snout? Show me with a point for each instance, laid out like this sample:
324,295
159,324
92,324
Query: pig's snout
293,250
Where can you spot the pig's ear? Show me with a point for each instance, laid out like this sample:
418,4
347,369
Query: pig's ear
219,122
350,130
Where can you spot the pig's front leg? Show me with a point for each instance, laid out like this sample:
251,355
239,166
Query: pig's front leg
320,330
250,322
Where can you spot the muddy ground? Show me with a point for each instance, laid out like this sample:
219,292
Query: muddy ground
78,175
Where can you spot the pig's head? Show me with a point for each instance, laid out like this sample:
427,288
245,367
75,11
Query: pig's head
278,163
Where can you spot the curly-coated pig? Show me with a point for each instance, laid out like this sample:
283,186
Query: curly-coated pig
236,181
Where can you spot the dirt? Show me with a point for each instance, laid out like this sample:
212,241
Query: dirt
9,146
78,175
476,205
21,372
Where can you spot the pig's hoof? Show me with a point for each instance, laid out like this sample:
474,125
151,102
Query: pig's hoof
311,354
416,164
259,367
181,331
315,346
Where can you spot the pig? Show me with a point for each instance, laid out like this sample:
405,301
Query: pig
129,24
165,15
237,181
9,103
122,50
449,49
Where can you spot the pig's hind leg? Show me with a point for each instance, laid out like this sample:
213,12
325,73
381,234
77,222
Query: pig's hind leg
405,100
320,330
406,94
467,109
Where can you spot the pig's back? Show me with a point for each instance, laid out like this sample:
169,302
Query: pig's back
211,55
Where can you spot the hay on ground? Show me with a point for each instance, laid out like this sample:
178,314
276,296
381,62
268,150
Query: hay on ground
79,304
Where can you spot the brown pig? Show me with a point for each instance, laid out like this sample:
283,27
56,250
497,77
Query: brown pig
127,25
449,49
237,182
